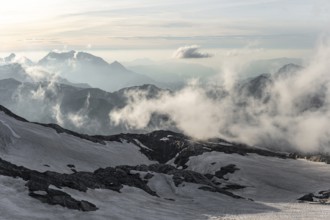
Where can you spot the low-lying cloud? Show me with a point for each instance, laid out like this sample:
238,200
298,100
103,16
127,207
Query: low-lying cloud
190,52
291,112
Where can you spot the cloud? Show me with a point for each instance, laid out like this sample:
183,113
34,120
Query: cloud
292,112
191,51
43,102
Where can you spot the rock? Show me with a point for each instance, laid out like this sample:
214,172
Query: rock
308,197
219,190
180,176
233,187
37,184
209,176
70,166
161,168
112,178
87,206
148,176
116,177
325,193
57,197
312,157
231,168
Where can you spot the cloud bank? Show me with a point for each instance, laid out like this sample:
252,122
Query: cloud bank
289,112
189,52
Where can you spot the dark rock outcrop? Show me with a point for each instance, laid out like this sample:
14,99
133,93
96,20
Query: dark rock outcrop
163,146
322,197
181,176
11,114
312,157
57,197
308,197
231,168
111,178
107,178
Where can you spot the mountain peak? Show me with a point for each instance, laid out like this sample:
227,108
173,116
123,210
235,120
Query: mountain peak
59,53
118,66
90,58
57,56
288,69
79,57
10,58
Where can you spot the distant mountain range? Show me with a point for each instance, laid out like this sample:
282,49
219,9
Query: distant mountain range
84,110
87,70
12,58
68,67
268,66
175,75
81,68
43,91
85,67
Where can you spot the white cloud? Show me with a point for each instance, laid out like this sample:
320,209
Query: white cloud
291,118
191,51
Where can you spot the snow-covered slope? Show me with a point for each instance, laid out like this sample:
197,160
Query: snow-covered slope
41,148
161,175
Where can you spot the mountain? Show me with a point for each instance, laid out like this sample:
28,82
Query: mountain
12,58
85,67
80,109
268,65
288,70
47,172
87,110
174,75
58,58
256,86
20,73
24,70
262,88
9,58
15,71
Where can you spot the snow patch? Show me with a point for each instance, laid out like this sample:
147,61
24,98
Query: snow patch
142,145
165,139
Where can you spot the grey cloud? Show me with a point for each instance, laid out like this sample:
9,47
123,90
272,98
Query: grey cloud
191,51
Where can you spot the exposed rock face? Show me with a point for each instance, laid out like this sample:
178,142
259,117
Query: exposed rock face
111,178
38,183
163,146
231,168
57,197
256,87
312,157
322,197
181,176
308,197
7,112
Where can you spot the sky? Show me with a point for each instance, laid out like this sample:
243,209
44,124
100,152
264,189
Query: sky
155,25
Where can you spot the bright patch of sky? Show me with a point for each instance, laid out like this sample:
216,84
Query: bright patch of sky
34,25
